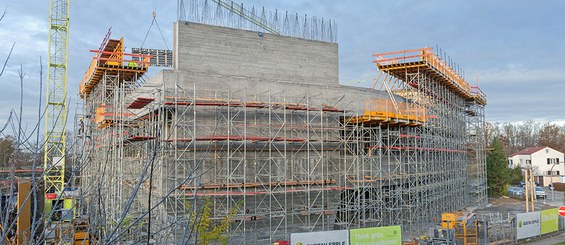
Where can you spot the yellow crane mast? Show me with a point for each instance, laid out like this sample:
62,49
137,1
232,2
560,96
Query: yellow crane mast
56,114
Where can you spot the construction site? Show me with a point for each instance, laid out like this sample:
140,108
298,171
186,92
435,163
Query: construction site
257,124
248,127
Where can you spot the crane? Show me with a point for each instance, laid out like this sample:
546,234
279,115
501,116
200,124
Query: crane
56,107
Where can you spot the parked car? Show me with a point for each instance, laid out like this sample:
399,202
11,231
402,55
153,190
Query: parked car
540,192
523,184
515,191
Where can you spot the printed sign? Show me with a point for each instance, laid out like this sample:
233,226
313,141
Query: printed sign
340,237
549,220
388,235
527,225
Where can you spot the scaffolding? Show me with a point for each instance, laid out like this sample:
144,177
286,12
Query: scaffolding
443,155
156,151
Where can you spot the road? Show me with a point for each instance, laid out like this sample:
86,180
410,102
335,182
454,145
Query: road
549,241
555,199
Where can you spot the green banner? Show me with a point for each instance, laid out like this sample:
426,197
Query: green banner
388,235
549,220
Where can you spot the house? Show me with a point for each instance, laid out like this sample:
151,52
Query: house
547,164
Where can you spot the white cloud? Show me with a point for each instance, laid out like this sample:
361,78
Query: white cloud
518,74
28,32
520,66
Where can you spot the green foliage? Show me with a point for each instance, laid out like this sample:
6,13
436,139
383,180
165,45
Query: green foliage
516,175
207,231
499,175
6,150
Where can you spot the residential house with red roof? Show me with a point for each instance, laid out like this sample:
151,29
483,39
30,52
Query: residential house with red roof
547,164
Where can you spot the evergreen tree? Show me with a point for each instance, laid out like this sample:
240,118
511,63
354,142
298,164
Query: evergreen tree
499,175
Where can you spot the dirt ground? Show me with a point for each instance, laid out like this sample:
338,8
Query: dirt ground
505,205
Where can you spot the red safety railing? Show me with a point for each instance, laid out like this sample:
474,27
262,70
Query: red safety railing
403,56
480,96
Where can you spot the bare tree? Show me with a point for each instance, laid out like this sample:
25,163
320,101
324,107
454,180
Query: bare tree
3,14
552,136
11,49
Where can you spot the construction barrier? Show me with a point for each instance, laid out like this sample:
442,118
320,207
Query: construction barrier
527,225
549,221
339,237
375,235
537,223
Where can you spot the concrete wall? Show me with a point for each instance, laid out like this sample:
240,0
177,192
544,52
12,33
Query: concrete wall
222,62
226,54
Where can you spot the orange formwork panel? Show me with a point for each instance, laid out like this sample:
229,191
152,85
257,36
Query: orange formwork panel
104,116
424,60
112,59
382,111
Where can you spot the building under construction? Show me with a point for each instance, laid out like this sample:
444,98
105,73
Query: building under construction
252,123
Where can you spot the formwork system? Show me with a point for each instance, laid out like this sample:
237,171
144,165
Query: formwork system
165,158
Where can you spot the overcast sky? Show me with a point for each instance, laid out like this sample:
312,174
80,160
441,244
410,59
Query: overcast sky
516,49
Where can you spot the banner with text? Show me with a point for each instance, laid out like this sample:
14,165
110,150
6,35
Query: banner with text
388,235
549,220
340,237
527,225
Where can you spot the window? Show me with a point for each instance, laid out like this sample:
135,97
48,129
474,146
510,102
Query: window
528,161
510,162
552,173
553,161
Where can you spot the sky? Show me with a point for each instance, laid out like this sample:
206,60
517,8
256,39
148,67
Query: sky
514,50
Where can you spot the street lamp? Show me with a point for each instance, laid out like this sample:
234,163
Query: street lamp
551,182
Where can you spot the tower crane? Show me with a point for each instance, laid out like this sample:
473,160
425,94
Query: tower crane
56,107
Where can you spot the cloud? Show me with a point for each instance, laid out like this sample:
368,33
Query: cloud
515,49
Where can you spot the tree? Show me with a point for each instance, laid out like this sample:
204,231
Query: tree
516,175
552,136
491,131
499,175
6,150
207,231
